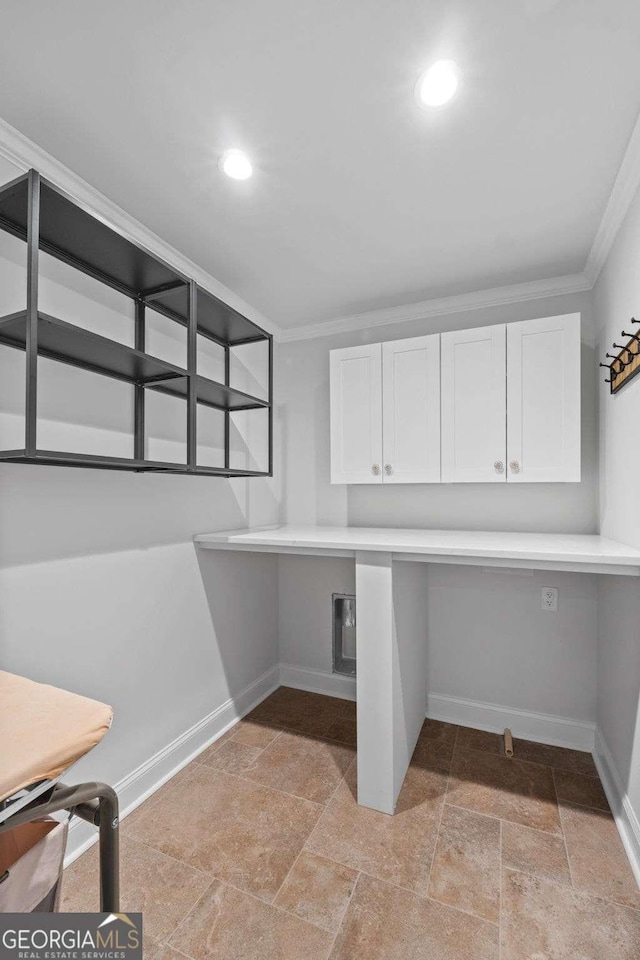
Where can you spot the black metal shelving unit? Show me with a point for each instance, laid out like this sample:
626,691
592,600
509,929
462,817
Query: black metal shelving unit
47,219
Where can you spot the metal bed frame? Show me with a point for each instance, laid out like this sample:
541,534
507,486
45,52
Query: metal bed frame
97,804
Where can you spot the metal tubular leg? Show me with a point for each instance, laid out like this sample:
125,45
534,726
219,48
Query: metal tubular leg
81,800
109,853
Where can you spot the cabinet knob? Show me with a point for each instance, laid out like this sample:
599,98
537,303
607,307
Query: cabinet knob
515,466
498,466
388,469
375,469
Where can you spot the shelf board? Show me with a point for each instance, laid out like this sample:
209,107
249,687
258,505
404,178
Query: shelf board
59,458
211,394
66,459
230,472
67,343
77,237
216,319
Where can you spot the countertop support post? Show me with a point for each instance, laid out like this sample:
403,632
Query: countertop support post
391,643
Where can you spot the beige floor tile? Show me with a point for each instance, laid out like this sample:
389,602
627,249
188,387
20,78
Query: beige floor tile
385,923
127,824
152,950
433,755
232,756
303,766
344,708
439,730
291,695
253,734
285,701
238,831
575,761
229,925
211,829
161,888
535,852
343,729
305,712
509,789
470,739
161,951
466,863
317,890
423,790
182,775
574,788
303,719
264,714
544,921
396,848
599,865
309,723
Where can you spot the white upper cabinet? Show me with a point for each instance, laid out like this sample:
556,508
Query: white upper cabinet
491,405
411,410
356,414
474,435
543,399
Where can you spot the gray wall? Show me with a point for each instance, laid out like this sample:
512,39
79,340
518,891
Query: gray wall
101,589
616,300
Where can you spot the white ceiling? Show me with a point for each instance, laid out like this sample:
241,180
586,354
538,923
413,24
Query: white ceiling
360,199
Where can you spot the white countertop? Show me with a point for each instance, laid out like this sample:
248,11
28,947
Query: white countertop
545,551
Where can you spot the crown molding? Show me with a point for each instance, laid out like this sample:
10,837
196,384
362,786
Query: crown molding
624,190
25,154
496,296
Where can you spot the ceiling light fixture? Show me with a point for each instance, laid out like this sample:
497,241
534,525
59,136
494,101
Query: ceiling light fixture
438,85
236,164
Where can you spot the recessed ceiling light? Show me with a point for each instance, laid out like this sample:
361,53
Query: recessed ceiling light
236,164
438,85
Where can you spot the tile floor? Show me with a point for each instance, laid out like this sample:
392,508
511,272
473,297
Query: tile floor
258,851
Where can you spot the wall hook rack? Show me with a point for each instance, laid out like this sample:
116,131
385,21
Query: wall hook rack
625,364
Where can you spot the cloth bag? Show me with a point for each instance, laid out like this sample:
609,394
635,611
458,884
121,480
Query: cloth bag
31,863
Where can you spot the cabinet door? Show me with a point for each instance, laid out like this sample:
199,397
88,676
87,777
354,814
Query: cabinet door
543,399
356,414
474,405
411,410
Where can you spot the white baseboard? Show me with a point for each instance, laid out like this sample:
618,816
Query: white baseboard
317,681
626,819
539,727
154,772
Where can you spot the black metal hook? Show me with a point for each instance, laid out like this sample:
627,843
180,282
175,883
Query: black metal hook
616,359
633,336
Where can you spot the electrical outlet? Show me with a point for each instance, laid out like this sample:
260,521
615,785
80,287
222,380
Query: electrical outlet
550,599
